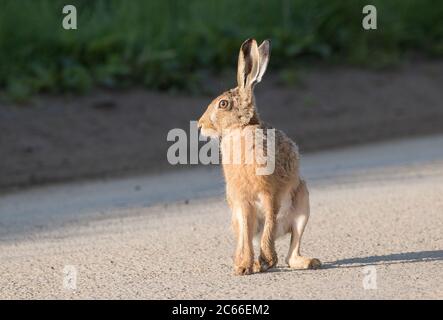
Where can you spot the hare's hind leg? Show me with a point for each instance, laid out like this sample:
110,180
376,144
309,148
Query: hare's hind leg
300,200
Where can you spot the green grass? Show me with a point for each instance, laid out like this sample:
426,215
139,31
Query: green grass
173,44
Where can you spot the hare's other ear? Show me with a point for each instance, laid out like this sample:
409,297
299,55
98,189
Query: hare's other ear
248,64
264,54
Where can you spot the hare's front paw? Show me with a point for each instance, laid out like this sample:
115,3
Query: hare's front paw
263,264
304,263
243,270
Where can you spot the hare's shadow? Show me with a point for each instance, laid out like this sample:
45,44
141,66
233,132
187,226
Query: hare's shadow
394,258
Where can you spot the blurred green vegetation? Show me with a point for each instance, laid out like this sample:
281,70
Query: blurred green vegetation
173,44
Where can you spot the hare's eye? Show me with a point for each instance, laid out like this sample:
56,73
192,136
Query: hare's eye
223,104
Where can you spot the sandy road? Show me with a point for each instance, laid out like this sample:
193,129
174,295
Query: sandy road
154,237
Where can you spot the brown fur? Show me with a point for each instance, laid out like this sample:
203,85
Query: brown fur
270,205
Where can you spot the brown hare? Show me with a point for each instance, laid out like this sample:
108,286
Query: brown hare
264,205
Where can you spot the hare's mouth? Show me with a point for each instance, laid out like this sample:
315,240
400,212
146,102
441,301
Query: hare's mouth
208,132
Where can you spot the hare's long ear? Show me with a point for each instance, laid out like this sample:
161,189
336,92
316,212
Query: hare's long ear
264,55
248,64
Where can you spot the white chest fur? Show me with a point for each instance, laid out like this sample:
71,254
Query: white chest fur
285,215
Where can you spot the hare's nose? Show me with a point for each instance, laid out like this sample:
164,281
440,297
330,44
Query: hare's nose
199,124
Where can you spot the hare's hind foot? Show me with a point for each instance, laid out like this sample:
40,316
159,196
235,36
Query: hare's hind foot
302,263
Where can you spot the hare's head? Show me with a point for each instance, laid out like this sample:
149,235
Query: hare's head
236,107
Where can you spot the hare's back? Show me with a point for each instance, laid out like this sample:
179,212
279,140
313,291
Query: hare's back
285,151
